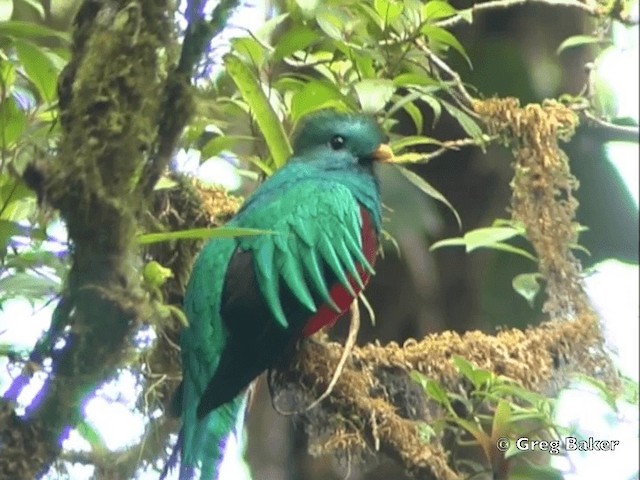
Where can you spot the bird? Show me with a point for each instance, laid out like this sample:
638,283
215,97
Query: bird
249,299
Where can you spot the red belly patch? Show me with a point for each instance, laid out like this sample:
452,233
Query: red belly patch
326,316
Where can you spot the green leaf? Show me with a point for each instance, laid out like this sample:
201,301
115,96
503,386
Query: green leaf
9,229
19,29
423,185
435,105
432,388
507,388
286,84
426,432
35,7
504,222
266,169
447,242
250,50
332,22
437,9
7,75
419,378
364,64
264,114
373,94
27,285
91,435
466,15
165,183
297,38
630,389
416,116
388,10
505,247
36,258
475,239
308,7
370,13
410,141
466,122
486,237
17,201
526,284
200,234
316,95
478,377
411,79
221,143
501,420
42,72
444,37
578,40
13,122
436,392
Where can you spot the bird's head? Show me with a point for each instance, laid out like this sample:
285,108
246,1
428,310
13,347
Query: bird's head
353,136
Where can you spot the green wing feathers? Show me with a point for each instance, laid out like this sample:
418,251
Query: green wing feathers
312,223
206,336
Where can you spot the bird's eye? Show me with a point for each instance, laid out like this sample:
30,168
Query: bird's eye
337,142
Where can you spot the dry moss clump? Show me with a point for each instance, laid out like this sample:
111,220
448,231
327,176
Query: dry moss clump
542,192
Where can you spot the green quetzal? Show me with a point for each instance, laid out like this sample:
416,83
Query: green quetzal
250,298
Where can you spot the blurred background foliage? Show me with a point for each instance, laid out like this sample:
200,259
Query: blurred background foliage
289,58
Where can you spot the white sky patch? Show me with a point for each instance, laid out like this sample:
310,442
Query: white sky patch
619,310
36,318
118,426
626,158
601,423
220,171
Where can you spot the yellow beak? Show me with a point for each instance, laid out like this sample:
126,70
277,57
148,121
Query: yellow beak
383,153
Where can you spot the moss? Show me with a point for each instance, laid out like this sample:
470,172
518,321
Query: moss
542,192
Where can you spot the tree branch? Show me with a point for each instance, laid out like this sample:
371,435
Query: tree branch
592,8
612,132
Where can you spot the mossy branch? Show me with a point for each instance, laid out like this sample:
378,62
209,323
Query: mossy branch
364,414
178,103
120,120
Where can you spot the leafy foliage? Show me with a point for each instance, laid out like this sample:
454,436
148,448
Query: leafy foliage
343,55
28,75
493,411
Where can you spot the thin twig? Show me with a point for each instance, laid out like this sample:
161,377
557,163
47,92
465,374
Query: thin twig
354,327
458,83
625,132
590,8
447,146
